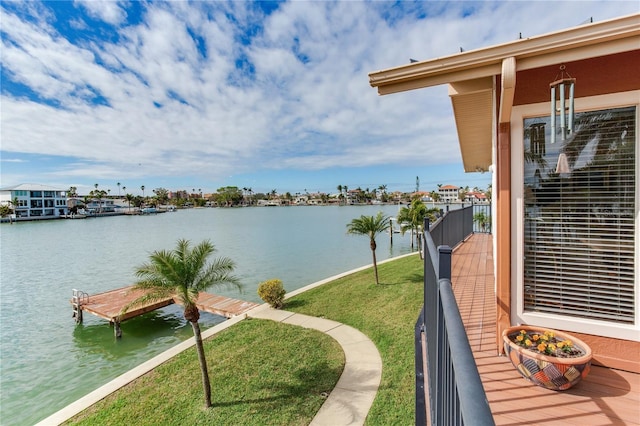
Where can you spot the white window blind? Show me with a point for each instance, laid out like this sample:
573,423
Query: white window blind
579,217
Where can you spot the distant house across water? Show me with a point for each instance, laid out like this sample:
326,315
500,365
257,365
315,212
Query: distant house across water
35,201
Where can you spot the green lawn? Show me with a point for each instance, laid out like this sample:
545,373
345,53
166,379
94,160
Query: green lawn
387,313
267,373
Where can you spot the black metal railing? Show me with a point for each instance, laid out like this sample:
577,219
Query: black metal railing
456,395
453,227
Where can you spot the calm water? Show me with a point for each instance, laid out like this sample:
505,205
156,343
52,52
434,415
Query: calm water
47,362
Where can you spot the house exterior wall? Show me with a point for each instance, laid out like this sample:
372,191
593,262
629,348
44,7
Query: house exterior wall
613,345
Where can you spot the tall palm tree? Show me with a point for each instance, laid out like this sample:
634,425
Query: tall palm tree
370,226
183,273
142,187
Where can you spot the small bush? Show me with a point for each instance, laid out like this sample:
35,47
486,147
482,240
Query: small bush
272,292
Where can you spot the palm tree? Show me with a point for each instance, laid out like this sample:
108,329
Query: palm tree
142,187
412,217
370,226
183,273
129,198
118,189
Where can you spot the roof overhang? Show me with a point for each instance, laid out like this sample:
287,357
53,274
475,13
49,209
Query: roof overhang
472,76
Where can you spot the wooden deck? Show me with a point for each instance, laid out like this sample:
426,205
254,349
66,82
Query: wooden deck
604,397
108,305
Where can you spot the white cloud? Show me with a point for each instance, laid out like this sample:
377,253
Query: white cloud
303,99
109,11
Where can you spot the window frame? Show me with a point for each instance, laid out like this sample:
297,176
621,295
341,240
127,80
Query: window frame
568,323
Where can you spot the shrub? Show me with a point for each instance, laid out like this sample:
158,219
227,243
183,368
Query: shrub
483,220
272,292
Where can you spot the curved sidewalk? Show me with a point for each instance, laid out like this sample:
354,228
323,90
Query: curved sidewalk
349,402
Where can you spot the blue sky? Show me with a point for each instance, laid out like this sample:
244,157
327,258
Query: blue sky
270,95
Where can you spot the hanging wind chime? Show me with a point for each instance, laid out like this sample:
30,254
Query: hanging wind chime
562,100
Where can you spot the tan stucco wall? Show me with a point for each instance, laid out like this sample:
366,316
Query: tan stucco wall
613,353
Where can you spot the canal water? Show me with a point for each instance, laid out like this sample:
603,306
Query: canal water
47,361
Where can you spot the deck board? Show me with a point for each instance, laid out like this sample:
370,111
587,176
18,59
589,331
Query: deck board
108,305
604,397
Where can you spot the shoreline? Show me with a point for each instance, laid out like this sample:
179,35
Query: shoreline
108,388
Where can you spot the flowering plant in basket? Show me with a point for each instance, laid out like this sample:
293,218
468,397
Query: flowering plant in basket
552,359
547,343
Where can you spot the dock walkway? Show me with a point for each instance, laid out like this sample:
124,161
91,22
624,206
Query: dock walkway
108,305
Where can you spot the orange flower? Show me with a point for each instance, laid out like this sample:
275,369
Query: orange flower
544,342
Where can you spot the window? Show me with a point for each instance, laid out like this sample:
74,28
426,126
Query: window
579,206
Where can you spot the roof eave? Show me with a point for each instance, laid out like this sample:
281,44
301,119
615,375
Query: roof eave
487,61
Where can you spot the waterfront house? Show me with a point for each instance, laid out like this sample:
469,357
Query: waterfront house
475,197
565,188
101,206
449,193
35,201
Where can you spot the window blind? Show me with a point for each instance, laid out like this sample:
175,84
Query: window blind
579,217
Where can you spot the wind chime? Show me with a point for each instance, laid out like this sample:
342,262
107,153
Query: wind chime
562,100
559,100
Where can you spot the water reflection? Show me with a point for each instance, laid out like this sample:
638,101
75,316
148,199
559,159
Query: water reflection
163,327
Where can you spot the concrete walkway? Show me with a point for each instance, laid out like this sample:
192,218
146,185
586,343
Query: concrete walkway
351,399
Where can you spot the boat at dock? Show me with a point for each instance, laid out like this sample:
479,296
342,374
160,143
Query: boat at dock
149,210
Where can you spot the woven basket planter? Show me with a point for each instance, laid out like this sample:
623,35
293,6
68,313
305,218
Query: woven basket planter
550,372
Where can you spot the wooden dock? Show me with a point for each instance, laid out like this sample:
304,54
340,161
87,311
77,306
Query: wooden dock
108,305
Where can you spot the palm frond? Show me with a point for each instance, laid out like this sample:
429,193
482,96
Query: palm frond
184,272
368,225
154,294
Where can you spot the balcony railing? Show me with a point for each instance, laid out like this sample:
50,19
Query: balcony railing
455,392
